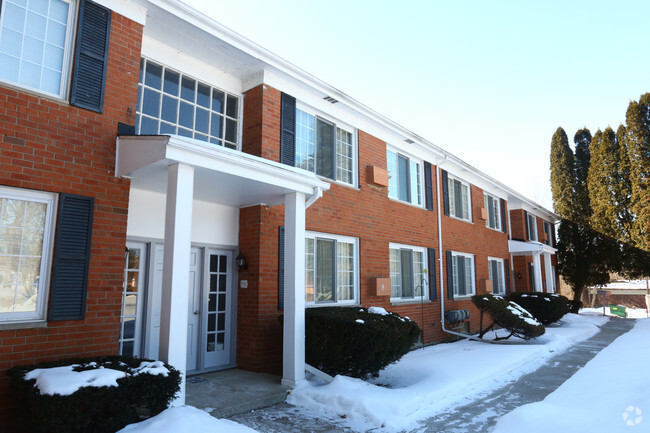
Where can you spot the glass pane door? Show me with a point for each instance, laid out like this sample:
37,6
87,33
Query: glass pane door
132,293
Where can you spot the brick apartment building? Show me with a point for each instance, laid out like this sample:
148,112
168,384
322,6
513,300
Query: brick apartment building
145,125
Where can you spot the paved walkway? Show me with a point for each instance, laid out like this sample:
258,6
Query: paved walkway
476,417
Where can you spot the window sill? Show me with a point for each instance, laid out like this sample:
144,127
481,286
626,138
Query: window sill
338,182
396,200
333,304
462,298
22,325
410,301
469,221
34,92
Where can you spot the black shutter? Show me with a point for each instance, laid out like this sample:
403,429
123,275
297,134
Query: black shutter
450,277
504,219
433,289
445,192
91,57
71,258
531,277
288,130
506,264
428,186
526,225
281,269
554,244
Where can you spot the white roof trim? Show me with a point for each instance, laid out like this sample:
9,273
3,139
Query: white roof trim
528,248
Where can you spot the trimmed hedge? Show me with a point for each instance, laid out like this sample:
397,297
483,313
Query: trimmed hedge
354,342
105,409
509,316
547,308
575,306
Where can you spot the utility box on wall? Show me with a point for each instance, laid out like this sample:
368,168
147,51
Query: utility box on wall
486,286
379,287
377,175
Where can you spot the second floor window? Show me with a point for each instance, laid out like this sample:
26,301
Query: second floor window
459,199
404,178
531,226
35,44
324,148
170,102
494,217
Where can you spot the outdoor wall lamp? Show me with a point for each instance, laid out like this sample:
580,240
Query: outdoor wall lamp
519,275
241,262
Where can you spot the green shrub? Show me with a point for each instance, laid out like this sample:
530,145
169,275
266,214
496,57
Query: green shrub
355,342
547,308
507,315
139,395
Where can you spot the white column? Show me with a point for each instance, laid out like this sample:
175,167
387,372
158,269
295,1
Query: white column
550,282
176,270
537,271
293,356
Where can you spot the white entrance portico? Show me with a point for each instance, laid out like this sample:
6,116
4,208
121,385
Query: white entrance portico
186,170
536,250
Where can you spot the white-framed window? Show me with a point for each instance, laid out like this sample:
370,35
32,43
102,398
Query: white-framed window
531,223
170,102
331,269
408,272
36,44
494,215
325,147
497,276
549,233
462,266
404,178
133,299
26,238
459,198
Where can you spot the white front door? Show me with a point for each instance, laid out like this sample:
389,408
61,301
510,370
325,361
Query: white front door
217,302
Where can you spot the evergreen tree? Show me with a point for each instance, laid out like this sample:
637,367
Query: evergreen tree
638,142
562,175
603,183
624,189
582,205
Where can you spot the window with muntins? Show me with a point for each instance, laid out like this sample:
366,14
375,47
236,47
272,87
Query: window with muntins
463,274
35,44
170,102
459,199
26,219
330,269
549,233
494,212
531,221
324,148
497,276
404,178
407,272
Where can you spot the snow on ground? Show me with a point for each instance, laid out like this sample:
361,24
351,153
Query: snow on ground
625,284
632,313
609,394
185,419
427,381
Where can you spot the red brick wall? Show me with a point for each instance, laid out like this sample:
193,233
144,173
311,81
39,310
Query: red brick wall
517,224
365,213
52,146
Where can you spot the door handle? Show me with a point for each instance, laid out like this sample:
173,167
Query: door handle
196,312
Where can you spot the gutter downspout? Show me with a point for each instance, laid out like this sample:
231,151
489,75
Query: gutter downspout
442,284
318,193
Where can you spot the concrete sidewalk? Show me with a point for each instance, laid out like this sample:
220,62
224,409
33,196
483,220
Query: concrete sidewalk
480,415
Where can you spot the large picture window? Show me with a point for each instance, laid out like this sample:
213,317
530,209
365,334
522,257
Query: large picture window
35,44
462,266
170,102
330,269
26,219
404,178
494,215
459,199
324,148
407,272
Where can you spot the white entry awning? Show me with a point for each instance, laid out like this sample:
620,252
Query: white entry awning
520,248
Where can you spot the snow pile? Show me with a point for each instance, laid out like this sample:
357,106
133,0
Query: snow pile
378,310
185,419
520,312
616,383
427,381
65,381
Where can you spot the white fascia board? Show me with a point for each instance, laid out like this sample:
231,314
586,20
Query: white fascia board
130,158
126,8
530,247
175,59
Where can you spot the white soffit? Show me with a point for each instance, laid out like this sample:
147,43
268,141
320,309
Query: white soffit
222,175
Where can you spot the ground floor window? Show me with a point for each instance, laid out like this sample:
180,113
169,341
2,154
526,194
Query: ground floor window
331,274
132,299
463,274
497,276
407,271
26,230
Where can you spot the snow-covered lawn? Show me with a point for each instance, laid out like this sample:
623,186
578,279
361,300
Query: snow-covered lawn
632,313
611,393
427,381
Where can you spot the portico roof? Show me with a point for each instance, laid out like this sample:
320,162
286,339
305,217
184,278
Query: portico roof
222,175
520,248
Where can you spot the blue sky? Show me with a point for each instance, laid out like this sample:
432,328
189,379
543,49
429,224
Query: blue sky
489,81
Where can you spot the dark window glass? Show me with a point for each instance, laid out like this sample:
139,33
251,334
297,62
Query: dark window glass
215,126
406,264
153,77
151,103
203,96
188,89
169,109
403,173
232,107
217,101
148,126
202,121
231,130
186,115
171,82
